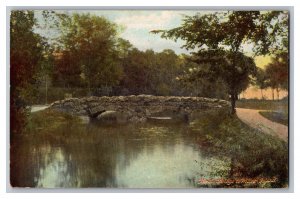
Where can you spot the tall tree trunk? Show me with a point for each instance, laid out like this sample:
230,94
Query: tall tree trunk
233,100
273,94
277,90
46,85
261,92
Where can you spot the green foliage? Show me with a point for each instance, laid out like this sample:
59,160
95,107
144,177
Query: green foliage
275,40
190,81
277,72
268,31
219,37
154,73
137,68
260,79
48,120
253,154
88,54
67,72
233,68
102,62
27,51
279,117
275,75
167,68
123,46
88,51
281,105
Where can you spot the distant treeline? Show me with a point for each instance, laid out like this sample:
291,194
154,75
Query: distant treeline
87,57
90,59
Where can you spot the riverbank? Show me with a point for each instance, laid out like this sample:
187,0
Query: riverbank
47,120
274,105
256,120
213,146
252,153
279,117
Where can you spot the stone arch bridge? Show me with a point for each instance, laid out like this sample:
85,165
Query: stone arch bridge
140,108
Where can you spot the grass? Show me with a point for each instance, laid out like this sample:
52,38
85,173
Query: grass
253,154
279,117
48,120
281,105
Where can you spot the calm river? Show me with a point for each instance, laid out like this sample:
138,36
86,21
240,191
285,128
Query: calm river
103,155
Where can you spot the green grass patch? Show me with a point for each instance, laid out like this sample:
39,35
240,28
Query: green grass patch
279,117
48,120
281,105
252,154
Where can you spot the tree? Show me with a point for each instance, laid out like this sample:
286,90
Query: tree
45,72
123,46
91,42
26,53
67,71
277,73
153,73
137,71
221,36
260,80
164,72
232,68
189,84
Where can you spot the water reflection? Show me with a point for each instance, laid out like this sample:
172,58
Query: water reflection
172,166
55,171
91,155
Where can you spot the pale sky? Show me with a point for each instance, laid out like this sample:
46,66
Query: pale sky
137,24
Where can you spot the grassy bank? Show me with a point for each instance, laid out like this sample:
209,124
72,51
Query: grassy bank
252,154
281,105
279,117
48,120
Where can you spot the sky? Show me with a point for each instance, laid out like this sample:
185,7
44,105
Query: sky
138,24
135,26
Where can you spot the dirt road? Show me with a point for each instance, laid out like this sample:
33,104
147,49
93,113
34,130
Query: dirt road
252,118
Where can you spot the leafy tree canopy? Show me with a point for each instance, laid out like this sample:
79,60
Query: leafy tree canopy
219,38
277,72
90,43
267,30
27,51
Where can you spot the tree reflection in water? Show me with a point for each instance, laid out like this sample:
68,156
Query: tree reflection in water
93,155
